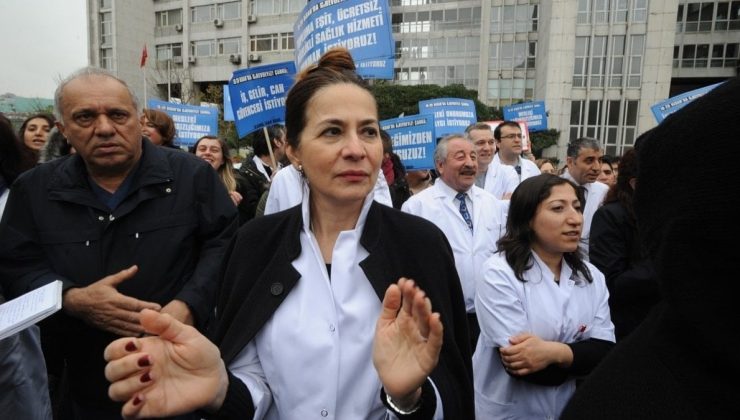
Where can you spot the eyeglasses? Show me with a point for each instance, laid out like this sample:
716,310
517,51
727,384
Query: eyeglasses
512,136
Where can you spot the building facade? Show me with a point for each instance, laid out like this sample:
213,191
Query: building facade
598,64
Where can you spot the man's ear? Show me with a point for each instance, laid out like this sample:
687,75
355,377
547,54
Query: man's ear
60,127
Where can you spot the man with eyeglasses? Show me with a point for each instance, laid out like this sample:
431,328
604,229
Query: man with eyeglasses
492,176
508,137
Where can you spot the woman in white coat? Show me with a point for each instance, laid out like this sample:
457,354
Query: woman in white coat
543,310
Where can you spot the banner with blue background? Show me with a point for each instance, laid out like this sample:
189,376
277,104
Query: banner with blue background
258,95
663,109
413,139
532,113
191,122
451,115
361,26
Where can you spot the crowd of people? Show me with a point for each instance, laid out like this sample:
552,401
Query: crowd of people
322,279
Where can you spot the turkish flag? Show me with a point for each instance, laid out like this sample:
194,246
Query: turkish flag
144,55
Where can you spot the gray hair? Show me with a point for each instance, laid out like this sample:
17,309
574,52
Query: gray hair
476,126
87,72
440,152
575,146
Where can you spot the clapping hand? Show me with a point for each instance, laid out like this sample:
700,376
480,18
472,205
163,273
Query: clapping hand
174,371
407,343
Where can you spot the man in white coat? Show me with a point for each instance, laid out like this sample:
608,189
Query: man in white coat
583,166
499,180
471,219
508,137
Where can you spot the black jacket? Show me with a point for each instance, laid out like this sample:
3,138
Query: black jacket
251,184
175,224
615,249
259,275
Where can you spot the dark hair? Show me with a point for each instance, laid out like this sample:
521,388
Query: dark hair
259,145
516,244
30,153
622,191
334,67
14,159
163,123
575,146
497,130
387,141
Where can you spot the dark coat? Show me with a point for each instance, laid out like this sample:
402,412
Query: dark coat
251,184
615,249
175,224
399,245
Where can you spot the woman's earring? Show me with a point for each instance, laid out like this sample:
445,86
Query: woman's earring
300,170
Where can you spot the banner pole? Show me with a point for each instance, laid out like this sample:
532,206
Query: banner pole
269,147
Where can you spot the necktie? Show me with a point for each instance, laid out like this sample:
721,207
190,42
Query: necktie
464,210
584,192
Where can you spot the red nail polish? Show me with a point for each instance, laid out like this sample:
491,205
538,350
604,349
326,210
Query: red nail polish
143,361
136,400
130,346
145,377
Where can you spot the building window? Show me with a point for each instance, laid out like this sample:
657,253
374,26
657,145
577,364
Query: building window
275,7
227,46
699,17
676,60
168,18
727,16
598,61
271,42
106,58
105,4
464,74
584,12
516,18
620,10
106,29
679,19
613,122
205,48
202,14
617,61
601,11
725,55
169,51
639,11
229,11
581,61
502,92
637,50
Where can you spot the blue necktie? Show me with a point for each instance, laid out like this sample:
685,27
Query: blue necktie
464,210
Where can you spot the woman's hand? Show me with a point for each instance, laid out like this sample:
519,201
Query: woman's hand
529,353
235,197
176,370
408,339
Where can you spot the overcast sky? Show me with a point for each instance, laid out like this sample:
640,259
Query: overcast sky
41,41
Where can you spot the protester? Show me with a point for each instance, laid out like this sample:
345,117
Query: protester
258,172
607,175
34,131
394,172
125,225
510,147
216,152
680,363
497,179
583,166
542,309
471,218
546,166
158,127
304,288
418,181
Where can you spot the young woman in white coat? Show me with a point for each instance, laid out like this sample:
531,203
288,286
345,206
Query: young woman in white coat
316,317
543,310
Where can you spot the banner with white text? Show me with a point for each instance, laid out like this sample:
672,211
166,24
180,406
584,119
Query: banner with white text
361,26
451,115
413,140
533,113
258,95
191,122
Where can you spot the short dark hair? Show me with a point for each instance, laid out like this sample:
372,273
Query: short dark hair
163,123
507,123
259,144
575,146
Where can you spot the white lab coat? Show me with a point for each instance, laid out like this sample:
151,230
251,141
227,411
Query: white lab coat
554,312
529,168
315,352
438,205
286,190
500,179
595,193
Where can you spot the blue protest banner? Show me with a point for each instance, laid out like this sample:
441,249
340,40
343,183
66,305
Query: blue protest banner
663,109
532,113
191,122
258,95
381,68
361,26
451,115
228,111
413,140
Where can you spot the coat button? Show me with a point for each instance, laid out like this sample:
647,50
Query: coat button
324,413
332,328
111,217
101,218
168,190
276,289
